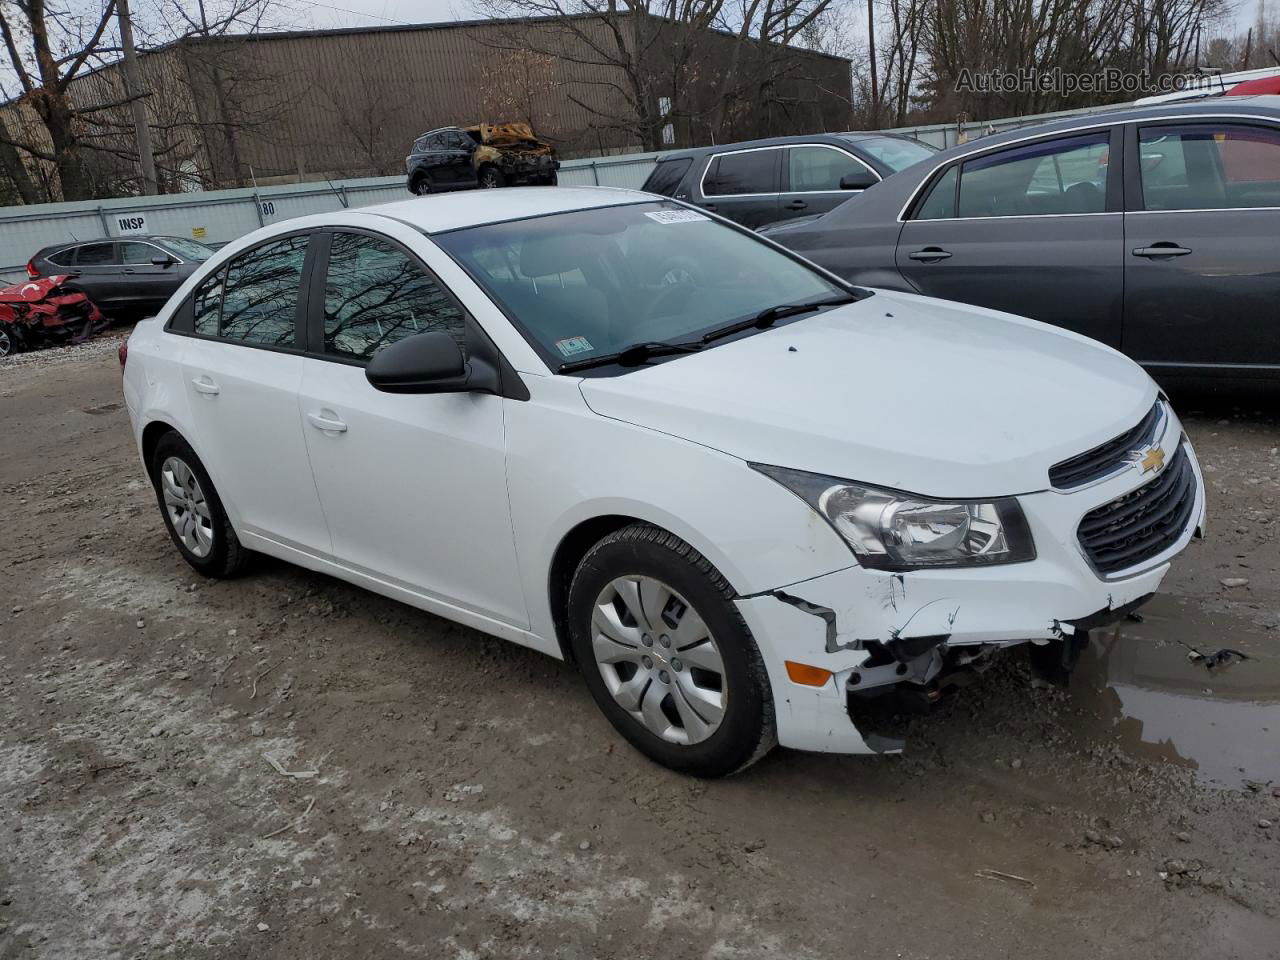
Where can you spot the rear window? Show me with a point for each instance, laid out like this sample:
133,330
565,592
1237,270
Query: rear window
746,172
96,255
63,258
666,176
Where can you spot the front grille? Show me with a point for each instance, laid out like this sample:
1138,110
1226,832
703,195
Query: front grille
1102,459
1144,522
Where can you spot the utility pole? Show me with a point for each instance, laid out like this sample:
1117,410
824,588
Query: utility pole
132,89
875,81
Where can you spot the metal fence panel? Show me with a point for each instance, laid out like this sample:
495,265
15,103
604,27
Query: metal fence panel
218,217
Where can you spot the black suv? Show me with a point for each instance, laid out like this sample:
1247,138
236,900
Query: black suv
123,276
764,181
486,155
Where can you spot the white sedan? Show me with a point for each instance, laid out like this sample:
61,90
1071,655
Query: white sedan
742,496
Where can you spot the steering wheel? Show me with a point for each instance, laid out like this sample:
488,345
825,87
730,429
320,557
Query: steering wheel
678,279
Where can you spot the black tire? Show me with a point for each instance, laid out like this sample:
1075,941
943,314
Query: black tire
226,557
420,185
747,730
491,178
10,340
552,179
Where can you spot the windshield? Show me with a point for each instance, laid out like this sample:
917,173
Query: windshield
594,282
188,250
895,153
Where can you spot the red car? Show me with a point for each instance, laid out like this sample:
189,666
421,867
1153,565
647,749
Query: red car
45,311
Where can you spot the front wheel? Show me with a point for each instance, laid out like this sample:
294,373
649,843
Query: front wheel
9,340
192,510
491,177
667,656
420,186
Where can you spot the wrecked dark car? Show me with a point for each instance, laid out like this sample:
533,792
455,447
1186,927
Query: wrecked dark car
487,155
45,312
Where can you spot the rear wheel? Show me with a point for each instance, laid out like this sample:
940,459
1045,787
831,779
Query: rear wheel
420,185
193,512
491,177
666,655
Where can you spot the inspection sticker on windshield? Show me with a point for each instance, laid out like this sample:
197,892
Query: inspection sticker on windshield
676,216
574,345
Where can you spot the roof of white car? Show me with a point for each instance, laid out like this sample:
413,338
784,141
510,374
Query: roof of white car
436,213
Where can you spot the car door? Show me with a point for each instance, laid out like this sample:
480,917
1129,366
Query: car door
1034,228
435,158
743,185
241,370
460,146
1202,222
96,271
148,285
812,176
413,485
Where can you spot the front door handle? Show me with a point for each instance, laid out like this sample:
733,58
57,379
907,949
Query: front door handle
1161,249
327,421
929,255
797,205
206,386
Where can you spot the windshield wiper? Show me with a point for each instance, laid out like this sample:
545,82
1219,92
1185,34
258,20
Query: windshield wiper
631,356
767,318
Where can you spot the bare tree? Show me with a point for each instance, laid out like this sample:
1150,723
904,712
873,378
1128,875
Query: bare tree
231,94
48,47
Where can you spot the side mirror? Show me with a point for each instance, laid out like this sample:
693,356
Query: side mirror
422,363
858,181
160,260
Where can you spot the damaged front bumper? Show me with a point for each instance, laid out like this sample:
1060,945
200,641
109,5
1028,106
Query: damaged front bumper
873,629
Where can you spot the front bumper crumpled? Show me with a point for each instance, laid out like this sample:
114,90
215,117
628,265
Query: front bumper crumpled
844,619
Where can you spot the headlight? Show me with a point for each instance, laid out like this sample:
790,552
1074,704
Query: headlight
891,530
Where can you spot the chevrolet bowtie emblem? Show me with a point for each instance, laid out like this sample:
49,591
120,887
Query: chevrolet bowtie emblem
1153,459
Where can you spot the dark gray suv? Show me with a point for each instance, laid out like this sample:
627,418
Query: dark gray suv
760,181
125,277
1155,230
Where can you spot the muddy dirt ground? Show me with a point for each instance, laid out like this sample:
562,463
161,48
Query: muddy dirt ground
469,801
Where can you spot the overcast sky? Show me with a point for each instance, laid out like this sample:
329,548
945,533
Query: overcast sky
368,13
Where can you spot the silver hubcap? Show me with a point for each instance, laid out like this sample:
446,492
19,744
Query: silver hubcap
658,659
4,344
187,508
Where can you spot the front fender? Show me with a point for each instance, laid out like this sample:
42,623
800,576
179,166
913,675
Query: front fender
566,465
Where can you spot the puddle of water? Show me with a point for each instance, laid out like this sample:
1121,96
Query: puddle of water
1143,688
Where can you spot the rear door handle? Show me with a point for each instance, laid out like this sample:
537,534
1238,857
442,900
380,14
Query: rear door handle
929,254
797,205
206,386
708,206
327,421
1162,249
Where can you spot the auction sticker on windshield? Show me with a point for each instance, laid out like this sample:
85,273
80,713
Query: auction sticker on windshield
675,216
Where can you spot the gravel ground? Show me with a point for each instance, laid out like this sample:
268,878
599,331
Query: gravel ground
284,766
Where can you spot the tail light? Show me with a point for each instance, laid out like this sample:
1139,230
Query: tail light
32,272
123,354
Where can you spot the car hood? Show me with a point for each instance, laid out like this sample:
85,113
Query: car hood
896,390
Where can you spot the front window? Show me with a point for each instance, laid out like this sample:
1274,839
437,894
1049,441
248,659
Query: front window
188,250
594,282
375,294
1209,166
896,154
818,169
